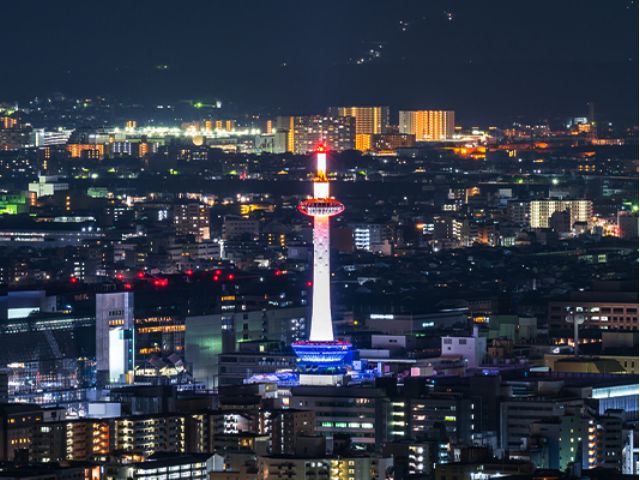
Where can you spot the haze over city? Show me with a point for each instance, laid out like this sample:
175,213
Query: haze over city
491,61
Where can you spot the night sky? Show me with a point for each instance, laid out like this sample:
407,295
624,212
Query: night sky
491,61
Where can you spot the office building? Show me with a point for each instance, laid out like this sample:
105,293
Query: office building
45,138
236,368
183,254
408,323
518,415
443,416
360,412
240,228
602,310
483,470
48,185
115,342
208,336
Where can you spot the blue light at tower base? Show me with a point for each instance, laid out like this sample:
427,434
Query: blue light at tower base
323,354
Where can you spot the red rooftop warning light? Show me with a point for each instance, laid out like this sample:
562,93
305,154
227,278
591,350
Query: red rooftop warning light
321,148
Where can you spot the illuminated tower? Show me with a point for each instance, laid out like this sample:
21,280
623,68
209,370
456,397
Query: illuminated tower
321,348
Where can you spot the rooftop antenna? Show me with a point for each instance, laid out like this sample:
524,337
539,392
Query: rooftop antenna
593,126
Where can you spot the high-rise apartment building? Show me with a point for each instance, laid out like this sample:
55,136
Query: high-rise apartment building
17,425
305,133
370,120
540,211
284,427
428,125
284,125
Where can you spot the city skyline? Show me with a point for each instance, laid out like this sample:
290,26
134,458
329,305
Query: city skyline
358,240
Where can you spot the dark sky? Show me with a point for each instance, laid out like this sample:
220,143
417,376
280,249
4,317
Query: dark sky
489,60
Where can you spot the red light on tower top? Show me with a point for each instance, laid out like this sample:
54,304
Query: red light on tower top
321,148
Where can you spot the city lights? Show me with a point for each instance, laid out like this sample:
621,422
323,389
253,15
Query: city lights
372,240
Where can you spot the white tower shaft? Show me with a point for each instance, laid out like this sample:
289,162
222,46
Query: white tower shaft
321,323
